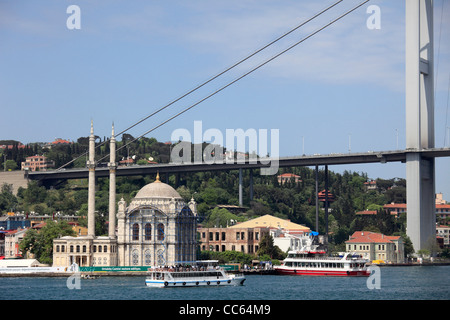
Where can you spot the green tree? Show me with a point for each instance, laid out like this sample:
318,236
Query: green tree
41,243
8,201
10,165
266,247
220,218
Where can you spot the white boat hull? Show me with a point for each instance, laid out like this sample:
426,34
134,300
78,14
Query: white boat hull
231,281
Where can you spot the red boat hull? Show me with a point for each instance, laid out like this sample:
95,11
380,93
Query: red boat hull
336,273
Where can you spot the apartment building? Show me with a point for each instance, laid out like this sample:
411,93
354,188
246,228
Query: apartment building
37,163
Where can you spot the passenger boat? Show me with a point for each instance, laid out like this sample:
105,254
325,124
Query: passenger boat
201,273
311,260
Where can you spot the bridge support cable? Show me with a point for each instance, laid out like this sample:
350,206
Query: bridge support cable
216,76
246,74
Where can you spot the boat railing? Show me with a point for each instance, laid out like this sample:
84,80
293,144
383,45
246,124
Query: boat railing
318,258
185,269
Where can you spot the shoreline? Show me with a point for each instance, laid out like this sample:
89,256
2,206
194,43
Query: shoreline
97,274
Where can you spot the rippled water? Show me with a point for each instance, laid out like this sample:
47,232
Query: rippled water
396,283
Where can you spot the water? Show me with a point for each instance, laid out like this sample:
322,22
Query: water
397,283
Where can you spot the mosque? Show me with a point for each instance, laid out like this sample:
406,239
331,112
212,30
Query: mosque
157,227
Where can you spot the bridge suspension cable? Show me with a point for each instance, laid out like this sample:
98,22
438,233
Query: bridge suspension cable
213,77
245,74
235,80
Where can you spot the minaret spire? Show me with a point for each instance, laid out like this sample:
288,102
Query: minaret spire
112,185
91,183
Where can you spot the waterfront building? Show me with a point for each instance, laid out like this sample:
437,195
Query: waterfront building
244,240
2,244
157,228
376,246
19,263
443,231
245,236
12,241
288,240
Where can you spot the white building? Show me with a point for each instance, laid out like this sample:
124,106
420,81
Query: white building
12,241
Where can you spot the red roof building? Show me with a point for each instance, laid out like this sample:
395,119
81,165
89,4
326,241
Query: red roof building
376,246
442,210
322,196
60,141
367,212
286,177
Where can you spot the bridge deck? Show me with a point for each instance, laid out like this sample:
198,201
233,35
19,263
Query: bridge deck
297,161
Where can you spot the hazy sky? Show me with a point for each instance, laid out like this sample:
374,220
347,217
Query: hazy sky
342,89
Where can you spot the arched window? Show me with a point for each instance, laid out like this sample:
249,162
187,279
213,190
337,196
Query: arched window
148,231
135,232
160,229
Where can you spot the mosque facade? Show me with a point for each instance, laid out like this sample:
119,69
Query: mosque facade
156,228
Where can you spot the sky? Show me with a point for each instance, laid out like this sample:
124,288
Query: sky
340,91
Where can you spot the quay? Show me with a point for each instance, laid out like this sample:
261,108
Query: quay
258,272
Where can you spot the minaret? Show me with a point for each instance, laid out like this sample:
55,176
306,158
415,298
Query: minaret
91,187
112,186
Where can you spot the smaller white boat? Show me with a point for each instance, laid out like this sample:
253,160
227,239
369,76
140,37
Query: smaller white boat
200,273
312,260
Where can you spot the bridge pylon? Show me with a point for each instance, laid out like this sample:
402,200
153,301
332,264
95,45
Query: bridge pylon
420,170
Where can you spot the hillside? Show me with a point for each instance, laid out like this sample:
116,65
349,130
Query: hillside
290,200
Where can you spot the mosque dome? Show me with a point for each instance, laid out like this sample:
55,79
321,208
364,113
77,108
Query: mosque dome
157,189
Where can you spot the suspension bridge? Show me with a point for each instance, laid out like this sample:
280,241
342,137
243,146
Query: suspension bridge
419,155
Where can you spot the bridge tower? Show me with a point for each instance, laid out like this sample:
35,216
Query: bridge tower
420,171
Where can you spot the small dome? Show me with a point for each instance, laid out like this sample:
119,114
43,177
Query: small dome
157,189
